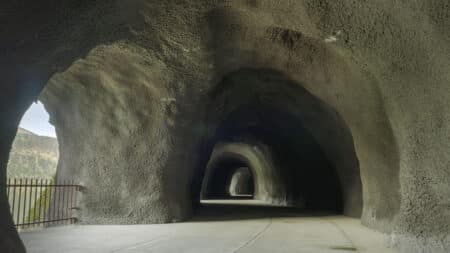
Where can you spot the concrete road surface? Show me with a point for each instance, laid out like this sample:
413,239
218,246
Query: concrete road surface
216,230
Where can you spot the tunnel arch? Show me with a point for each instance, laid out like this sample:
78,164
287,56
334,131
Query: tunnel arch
268,185
247,99
241,183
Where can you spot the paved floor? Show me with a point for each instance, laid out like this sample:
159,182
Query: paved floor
216,230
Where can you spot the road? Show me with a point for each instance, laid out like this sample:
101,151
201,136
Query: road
218,230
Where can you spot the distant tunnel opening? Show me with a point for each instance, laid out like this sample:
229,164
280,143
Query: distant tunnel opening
298,149
291,168
230,179
31,168
241,183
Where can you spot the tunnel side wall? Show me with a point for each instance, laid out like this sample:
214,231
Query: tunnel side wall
119,135
9,239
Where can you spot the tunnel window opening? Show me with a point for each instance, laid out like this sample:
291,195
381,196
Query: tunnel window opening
35,150
32,168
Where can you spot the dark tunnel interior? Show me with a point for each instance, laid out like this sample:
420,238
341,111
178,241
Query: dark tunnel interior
311,180
304,143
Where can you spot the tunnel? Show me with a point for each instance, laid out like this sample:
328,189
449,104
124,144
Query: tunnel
228,180
260,124
241,184
303,108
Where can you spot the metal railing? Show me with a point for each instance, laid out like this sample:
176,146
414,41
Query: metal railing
41,202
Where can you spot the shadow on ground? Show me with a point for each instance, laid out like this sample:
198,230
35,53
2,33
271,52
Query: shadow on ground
224,212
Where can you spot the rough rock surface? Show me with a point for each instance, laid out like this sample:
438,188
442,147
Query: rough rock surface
130,81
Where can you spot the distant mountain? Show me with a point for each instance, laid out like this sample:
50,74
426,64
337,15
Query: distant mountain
33,156
24,131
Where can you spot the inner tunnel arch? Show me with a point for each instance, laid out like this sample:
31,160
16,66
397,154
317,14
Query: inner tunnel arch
264,105
268,181
241,183
217,184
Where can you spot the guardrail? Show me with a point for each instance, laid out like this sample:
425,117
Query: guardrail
41,202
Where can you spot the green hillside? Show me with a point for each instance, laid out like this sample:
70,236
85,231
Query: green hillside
33,156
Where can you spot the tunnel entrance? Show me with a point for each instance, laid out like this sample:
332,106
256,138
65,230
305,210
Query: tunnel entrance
299,150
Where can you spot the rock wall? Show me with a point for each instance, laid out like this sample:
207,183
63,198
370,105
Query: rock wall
141,73
117,135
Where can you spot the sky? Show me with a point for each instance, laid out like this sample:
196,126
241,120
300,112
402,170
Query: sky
36,120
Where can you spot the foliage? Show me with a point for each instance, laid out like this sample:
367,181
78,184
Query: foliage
33,156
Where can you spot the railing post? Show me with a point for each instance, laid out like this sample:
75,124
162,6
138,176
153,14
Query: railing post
40,200
24,200
35,199
19,200
13,200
